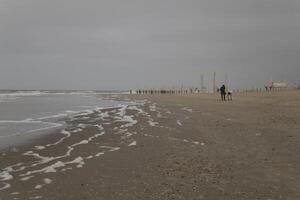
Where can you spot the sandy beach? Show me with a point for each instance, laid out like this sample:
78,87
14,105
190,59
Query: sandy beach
187,147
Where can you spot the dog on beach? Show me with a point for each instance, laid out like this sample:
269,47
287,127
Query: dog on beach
229,95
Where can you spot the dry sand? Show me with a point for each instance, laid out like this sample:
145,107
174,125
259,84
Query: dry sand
180,147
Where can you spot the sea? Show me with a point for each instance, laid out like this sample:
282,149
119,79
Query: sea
25,115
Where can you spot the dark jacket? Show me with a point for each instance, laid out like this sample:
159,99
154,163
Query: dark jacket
223,89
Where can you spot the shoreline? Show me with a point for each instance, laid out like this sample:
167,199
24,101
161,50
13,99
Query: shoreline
44,123
170,147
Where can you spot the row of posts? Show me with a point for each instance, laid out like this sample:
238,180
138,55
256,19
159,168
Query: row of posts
195,91
162,91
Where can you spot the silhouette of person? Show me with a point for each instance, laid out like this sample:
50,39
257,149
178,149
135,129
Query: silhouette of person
223,93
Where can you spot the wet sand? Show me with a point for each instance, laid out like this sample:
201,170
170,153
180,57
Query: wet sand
166,147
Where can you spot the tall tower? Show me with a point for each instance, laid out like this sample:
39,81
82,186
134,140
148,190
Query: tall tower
226,82
202,83
214,83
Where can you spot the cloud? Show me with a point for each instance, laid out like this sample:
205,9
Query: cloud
124,44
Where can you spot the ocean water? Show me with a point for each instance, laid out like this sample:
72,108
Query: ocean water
28,114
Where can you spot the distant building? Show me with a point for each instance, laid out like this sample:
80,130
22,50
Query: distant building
275,85
280,85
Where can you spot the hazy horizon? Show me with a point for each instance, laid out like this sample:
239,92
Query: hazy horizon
120,45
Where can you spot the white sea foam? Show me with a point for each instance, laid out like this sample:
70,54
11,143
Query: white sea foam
5,186
23,94
127,135
80,143
99,154
187,109
132,144
42,159
179,123
103,115
47,181
49,169
83,126
15,193
152,123
26,178
140,111
99,126
76,130
66,169
130,121
152,107
59,164
11,168
36,197
37,187
55,163
89,157
5,175
39,147
79,161
122,117
84,113
111,148
96,136
6,97
64,132
53,116
122,110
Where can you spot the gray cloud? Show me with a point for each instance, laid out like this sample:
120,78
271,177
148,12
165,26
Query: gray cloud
114,44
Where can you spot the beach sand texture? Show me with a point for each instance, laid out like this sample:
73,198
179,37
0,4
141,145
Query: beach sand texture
166,147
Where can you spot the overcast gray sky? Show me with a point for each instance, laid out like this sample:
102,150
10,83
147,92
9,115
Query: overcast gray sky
120,44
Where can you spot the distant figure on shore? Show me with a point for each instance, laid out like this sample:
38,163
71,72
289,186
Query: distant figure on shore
229,95
223,93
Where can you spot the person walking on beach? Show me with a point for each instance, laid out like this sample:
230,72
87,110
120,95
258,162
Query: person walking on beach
223,93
